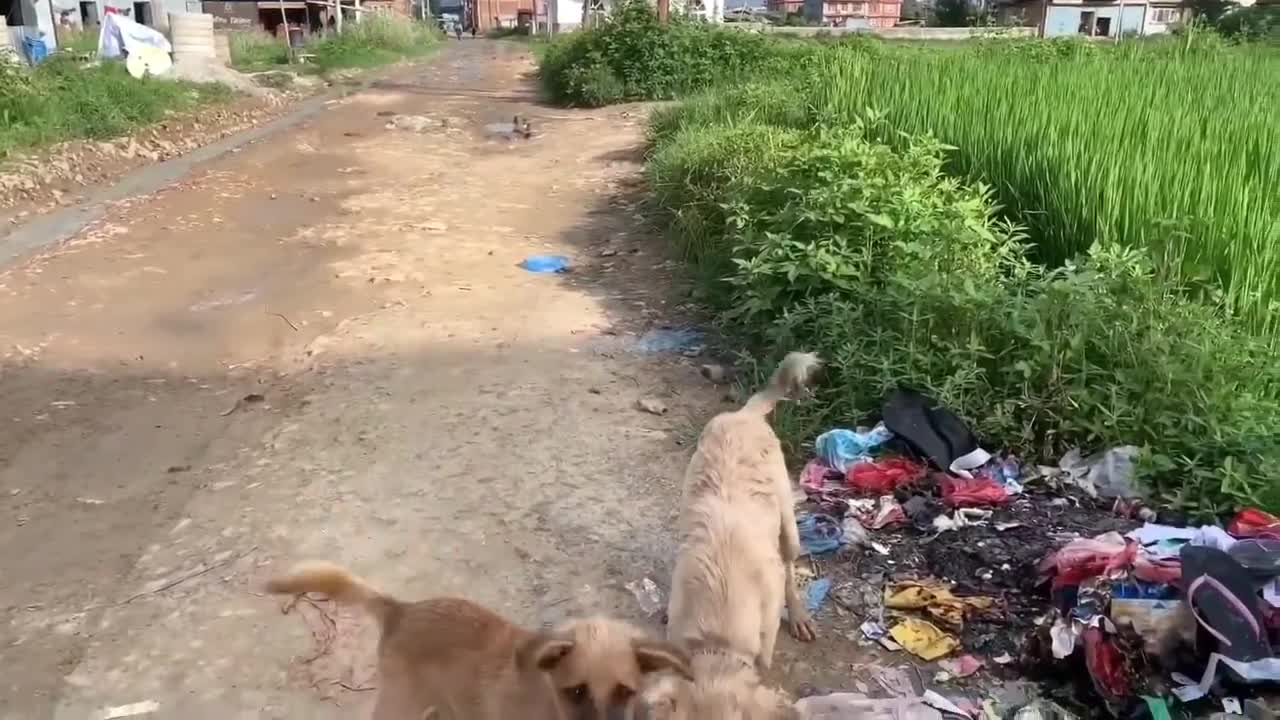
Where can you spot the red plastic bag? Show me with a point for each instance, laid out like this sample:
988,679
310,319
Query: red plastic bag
882,477
1252,522
981,490
1108,554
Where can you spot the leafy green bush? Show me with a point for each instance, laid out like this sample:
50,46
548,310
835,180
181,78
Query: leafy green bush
632,52
829,240
1259,23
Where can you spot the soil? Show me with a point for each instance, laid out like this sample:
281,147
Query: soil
321,346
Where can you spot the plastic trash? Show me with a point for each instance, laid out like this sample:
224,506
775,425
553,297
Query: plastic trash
1106,665
647,595
816,593
840,448
972,492
1107,555
660,340
1252,522
545,263
819,533
888,512
879,477
1109,474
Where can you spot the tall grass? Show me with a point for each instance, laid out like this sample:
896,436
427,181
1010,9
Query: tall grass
1149,148
258,50
379,39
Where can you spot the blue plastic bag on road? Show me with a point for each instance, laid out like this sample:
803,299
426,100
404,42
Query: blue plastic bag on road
545,263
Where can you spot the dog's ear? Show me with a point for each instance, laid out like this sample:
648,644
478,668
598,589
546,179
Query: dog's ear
544,651
657,655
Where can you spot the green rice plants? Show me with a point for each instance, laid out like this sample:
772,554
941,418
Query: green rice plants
1166,151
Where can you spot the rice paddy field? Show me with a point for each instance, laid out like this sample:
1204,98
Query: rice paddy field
1152,147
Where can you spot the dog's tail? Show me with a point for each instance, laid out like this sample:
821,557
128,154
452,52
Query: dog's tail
789,382
336,582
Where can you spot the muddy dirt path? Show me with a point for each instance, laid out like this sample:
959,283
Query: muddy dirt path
321,346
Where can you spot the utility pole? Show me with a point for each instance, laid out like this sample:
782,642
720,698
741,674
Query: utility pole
664,11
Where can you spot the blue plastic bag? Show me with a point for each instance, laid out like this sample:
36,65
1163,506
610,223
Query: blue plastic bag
842,448
545,263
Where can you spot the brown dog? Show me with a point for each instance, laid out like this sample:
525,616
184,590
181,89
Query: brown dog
450,659
736,570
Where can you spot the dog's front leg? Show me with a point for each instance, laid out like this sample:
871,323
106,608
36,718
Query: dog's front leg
801,623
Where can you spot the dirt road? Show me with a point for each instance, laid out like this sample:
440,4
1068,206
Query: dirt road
321,346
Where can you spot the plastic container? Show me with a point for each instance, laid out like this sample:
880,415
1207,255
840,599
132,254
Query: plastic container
36,49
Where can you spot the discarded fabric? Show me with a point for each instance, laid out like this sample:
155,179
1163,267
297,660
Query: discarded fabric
119,36
936,599
888,512
923,639
963,666
878,477
819,533
972,492
545,263
934,431
840,448
818,479
1106,666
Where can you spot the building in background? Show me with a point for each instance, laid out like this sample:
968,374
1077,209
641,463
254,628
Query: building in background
1059,18
853,13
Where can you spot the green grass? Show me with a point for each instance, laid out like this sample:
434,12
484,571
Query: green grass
1164,145
380,39
1069,244
61,99
1145,147
257,51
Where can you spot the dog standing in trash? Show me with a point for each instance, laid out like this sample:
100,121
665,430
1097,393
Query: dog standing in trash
451,659
736,567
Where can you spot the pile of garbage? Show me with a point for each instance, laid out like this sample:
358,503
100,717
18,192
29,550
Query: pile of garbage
982,563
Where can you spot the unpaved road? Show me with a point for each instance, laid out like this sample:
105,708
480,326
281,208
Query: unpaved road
429,414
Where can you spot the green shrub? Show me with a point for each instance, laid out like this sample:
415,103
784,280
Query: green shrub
646,60
899,274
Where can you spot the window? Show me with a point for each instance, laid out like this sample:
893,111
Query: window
88,14
1165,15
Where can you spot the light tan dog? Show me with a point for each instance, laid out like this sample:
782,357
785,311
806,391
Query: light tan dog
736,567
451,659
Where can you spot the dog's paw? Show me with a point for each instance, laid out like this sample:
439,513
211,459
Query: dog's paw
803,629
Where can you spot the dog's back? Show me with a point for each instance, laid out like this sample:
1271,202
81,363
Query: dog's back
729,576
